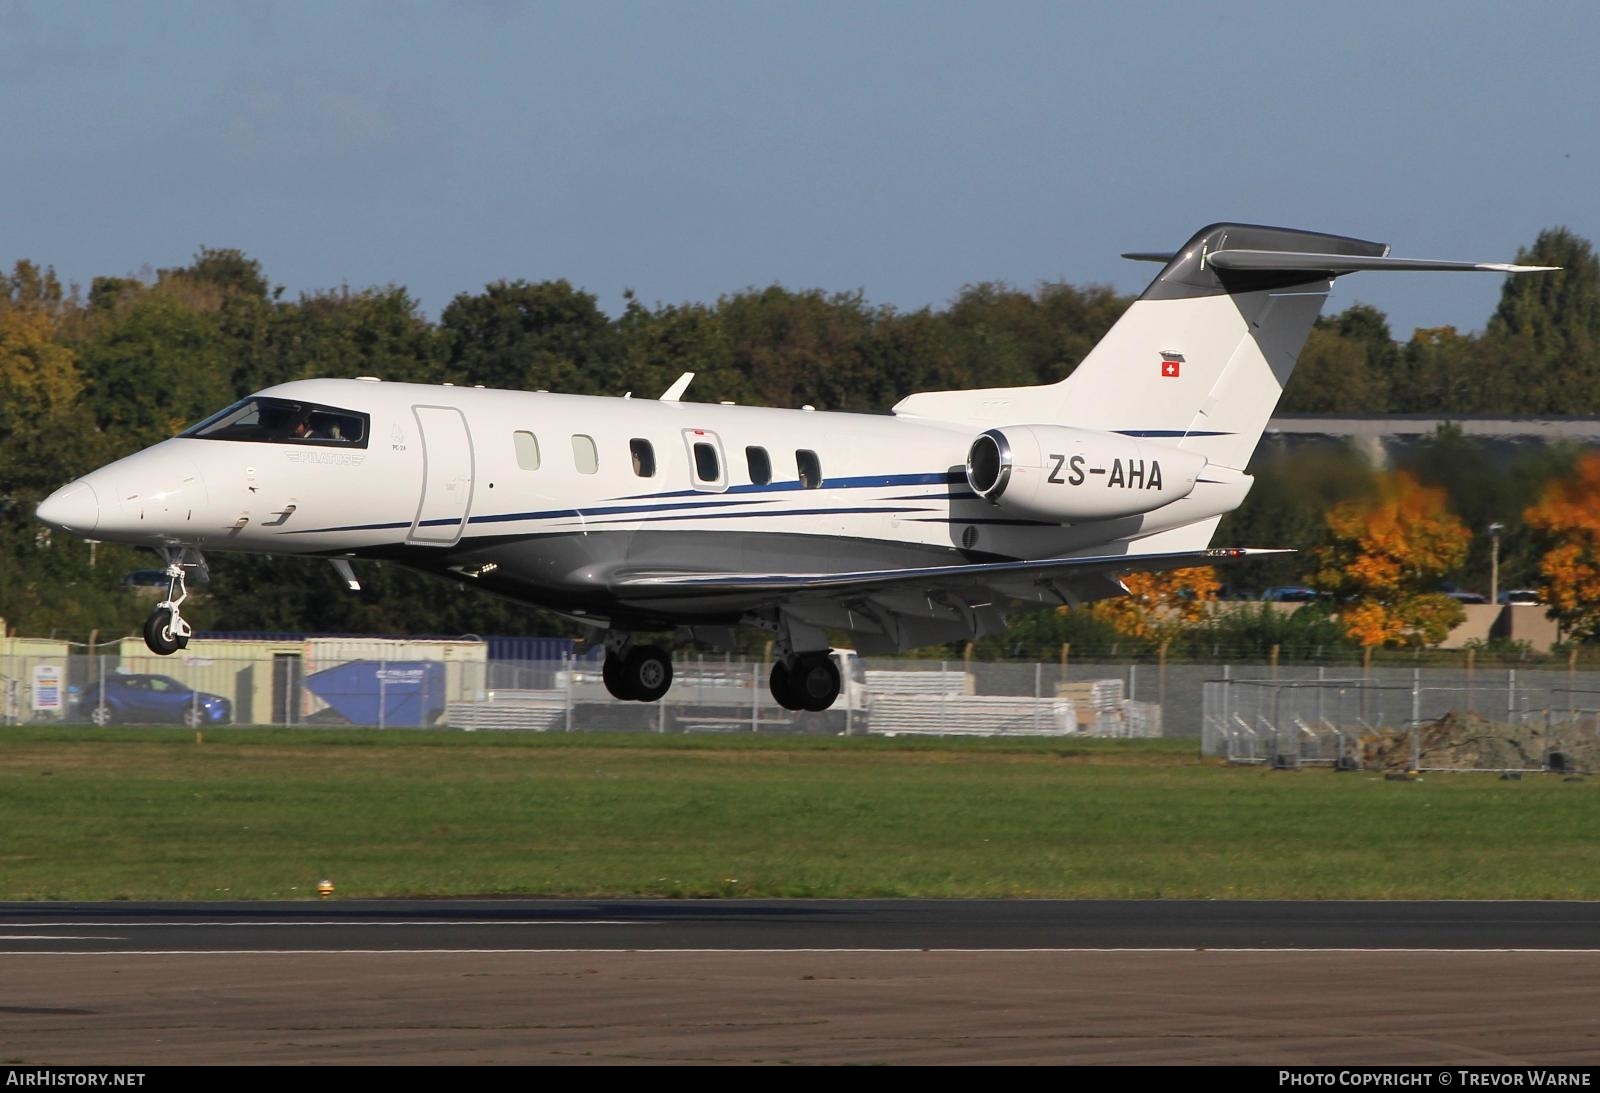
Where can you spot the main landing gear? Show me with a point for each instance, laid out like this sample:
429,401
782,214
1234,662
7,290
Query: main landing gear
166,631
636,673
643,673
806,681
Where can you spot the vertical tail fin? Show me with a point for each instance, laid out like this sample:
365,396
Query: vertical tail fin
1201,358
1203,355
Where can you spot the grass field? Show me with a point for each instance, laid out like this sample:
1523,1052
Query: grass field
152,814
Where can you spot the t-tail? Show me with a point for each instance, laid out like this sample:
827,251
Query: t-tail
1200,360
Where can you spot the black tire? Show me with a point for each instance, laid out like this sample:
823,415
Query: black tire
611,672
158,635
815,680
194,717
647,673
782,687
102,715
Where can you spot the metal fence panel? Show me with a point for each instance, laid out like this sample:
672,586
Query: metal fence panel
1418,719
1429,718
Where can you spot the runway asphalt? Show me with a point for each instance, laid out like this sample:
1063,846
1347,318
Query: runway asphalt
774,925
587,982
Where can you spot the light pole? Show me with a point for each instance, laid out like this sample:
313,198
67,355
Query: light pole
1494,561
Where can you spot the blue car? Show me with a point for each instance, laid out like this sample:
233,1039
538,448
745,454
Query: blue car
1292,593
144,699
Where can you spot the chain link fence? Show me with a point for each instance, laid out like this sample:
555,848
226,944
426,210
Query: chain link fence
1506,720
324,682
1415,718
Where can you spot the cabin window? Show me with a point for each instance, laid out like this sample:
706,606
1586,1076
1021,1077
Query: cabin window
706,465
644,458
584,454
527,446
760,465
284,421
810,468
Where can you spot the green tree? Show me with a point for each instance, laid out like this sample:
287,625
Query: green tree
230,287
1544,337
658,346
153,363
800,348
1435,373
375,332
1335,375
521,336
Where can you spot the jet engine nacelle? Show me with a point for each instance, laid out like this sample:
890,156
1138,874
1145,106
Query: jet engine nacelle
1070,476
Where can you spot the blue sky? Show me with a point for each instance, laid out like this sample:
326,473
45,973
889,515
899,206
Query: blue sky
687,150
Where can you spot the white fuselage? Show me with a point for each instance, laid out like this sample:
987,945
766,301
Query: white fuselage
931,524
545,497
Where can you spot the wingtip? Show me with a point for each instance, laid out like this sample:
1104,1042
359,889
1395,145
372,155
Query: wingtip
1509,267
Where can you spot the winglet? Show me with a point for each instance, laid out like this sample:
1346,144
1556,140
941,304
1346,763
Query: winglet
679,386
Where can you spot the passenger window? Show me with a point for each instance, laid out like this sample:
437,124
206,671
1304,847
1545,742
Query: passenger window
584,455
810,468
705,462
760,465
644,458
527,446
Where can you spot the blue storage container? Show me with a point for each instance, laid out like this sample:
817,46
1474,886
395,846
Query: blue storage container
387,693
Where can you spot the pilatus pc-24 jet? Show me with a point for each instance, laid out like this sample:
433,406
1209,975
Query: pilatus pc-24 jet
934,524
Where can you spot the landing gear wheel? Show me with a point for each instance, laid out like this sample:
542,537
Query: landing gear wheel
159,634
782,692
814,681
611,672
647,673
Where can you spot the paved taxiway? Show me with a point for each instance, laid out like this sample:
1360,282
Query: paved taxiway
527,981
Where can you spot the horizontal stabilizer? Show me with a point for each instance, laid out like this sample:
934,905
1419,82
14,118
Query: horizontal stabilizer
1350,263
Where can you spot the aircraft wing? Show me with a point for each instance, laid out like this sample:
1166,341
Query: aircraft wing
936,576
910,607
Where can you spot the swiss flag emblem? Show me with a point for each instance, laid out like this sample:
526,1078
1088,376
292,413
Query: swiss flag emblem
1171,364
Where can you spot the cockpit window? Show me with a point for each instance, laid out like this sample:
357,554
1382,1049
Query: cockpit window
284,421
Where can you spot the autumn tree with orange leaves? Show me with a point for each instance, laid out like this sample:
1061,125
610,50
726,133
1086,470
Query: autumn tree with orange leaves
1158,605
1567,516
1387,557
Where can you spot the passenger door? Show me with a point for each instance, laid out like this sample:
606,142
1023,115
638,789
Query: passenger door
447,470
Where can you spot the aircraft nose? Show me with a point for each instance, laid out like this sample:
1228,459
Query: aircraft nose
74,507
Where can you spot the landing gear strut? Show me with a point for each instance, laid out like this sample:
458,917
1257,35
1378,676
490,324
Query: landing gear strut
636,673
806,681
166,631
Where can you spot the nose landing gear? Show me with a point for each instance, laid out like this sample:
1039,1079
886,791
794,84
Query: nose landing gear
166,631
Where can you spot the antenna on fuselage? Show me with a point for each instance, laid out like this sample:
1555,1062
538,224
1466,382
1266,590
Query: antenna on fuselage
679,386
